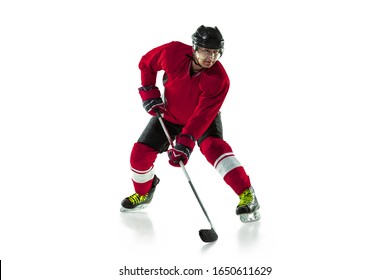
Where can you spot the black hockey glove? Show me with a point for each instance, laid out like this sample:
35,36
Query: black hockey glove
151,99
182,150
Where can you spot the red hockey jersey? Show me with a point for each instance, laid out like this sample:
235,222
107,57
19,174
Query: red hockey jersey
192,101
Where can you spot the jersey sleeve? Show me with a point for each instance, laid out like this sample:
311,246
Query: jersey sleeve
152,62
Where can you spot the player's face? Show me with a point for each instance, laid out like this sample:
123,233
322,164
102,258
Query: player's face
207,57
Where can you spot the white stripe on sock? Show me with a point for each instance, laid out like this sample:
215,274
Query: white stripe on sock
226,164
143,176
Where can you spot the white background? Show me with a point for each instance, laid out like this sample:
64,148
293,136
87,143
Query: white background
307,115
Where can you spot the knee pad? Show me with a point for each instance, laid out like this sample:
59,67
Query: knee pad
212,148
220,155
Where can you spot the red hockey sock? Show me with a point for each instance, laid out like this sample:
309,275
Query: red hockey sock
220,155
141,161
238,180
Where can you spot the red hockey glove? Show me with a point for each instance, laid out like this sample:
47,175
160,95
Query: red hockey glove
151,99
181,152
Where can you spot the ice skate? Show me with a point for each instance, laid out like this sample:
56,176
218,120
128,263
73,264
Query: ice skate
248,207
137,202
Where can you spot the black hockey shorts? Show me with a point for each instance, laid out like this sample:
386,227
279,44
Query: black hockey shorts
154,136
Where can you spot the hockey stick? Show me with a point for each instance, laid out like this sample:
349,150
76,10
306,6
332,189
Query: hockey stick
207,235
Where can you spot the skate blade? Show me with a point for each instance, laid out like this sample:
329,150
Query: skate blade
251,217
136,209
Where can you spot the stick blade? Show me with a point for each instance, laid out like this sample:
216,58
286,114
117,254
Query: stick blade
208,235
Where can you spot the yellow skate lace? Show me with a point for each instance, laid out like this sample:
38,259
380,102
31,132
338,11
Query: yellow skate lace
245,198
136,198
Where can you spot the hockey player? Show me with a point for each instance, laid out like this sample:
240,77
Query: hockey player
196,85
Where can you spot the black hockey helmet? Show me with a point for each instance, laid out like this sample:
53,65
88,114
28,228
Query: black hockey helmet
207,37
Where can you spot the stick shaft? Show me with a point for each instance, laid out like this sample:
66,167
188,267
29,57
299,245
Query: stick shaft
183,168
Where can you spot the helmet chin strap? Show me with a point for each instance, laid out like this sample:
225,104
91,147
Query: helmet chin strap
194,60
